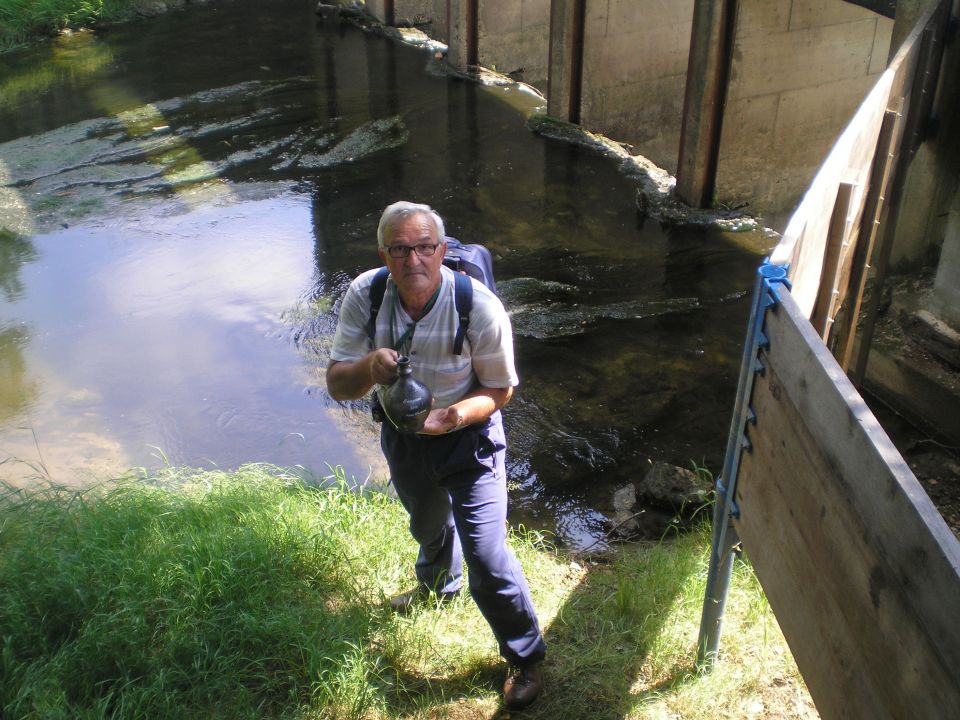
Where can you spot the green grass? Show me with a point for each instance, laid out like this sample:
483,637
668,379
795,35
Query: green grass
247,594
23,21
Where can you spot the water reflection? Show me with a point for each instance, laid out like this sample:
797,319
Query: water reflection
196,213
31,78
17,390
15,252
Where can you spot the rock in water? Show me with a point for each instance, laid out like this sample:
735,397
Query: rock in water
674,487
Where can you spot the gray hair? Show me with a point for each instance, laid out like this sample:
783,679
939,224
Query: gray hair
400,211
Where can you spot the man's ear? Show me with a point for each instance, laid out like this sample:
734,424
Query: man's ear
382,253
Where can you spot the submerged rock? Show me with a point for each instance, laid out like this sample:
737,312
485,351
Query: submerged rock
371,137
624,512
662,504
544,309
152,9
675,488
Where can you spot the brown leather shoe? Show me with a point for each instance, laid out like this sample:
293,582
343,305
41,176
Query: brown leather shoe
420,595
524,684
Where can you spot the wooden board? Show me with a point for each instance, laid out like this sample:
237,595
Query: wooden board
859,567
835,257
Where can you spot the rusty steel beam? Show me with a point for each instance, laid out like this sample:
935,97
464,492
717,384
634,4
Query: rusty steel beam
708,71
565,62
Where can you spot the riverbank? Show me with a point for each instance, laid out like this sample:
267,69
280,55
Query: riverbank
248,594
22,23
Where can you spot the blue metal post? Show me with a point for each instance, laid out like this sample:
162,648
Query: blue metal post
725,538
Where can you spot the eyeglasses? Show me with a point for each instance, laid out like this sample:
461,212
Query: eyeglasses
401,251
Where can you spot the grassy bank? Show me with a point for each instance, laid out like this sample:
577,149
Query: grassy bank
24,21
248,595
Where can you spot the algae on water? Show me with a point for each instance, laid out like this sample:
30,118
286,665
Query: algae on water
173,146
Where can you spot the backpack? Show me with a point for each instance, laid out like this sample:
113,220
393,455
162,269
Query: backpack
473,259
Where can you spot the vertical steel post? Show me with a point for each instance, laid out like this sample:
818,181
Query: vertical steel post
725,538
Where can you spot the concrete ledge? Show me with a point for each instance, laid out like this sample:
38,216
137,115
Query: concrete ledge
914,363
925,396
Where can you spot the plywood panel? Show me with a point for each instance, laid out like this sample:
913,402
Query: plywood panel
860,568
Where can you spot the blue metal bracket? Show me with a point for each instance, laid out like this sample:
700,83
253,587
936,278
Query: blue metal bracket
770,280
721,488
772,277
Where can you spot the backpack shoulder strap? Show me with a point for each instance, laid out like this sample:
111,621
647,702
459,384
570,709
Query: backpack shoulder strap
463,298
377,288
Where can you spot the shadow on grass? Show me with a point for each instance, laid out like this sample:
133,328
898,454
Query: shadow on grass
612,626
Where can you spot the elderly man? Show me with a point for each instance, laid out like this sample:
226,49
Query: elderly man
450,476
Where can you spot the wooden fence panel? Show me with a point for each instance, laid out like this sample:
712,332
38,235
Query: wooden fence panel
859,567
907,86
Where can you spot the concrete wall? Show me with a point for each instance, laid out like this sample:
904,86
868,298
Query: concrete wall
634,69
514,37
799,70
429,15
945,301
418,12
376,8
934,173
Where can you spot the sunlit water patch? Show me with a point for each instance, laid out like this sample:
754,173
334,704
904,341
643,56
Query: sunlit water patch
162,338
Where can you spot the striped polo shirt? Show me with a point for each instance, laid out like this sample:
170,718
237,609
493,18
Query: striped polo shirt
487,356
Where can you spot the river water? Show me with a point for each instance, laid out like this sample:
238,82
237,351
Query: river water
185,199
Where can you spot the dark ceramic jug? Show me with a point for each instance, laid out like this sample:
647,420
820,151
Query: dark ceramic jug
407,402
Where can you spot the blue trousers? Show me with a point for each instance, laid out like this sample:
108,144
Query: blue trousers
454,488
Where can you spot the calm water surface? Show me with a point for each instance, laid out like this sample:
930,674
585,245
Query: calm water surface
186,199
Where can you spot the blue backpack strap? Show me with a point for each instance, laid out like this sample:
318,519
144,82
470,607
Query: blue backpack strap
463,298
377,288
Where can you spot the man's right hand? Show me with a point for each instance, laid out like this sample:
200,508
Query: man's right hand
383,366
351,380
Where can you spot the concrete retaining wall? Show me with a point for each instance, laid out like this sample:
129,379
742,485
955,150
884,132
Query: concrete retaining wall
634,70
799,70
946,286
429,15
514,38
418,12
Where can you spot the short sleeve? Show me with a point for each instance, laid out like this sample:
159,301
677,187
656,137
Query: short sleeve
350,341
491,341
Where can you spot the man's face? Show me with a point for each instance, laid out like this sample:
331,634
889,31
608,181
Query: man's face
415,274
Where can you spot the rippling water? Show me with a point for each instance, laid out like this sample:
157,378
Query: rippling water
185,201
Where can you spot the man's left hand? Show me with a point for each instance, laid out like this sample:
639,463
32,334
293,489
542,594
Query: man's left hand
442,421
